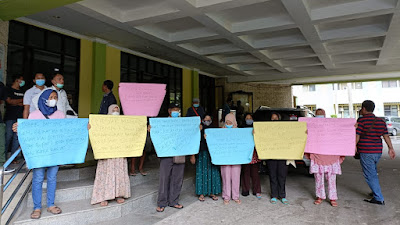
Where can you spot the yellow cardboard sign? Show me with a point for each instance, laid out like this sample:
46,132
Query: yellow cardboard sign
280,140
117,136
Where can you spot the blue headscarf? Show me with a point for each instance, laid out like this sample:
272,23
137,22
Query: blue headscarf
46,110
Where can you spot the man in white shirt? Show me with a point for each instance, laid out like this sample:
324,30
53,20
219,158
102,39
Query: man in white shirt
62,103
39,86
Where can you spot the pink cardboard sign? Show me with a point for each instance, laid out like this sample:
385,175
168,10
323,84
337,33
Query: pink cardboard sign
139,99
330,136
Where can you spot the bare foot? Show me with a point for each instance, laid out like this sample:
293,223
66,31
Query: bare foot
104,203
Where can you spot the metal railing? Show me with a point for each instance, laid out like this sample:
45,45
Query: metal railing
4,186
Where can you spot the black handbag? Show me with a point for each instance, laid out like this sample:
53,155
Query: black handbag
357,155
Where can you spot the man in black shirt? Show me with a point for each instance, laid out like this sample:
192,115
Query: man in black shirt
108,98
14,109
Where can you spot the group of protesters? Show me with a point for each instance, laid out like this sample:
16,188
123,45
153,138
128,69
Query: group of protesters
112,176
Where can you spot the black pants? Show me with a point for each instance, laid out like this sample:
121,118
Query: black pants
171,180
250,171
277,177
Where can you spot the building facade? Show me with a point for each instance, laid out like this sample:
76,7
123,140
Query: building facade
344,99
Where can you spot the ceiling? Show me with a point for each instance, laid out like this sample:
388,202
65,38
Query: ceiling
278,41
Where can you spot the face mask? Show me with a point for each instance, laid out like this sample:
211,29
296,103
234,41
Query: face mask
40,82
22,83
60,85
228,126
196,105
174,114
320,116
51,103
115,113
249,122
207,122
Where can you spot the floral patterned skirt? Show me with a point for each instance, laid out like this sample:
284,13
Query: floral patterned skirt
112,180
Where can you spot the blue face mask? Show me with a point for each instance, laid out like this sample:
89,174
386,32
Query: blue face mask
22,83
228,126
249,122
320,116
196,105
40,82
60,85
174,114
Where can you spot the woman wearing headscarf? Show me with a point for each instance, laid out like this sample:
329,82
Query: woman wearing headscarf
251,170
277,174
112,179
47,110
230,173
208,177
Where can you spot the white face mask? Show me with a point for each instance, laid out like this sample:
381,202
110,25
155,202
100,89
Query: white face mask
51,103
115,113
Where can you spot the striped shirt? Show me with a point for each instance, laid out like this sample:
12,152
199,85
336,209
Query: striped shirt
370,142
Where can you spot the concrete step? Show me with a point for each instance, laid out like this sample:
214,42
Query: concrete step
144,198
66,173
82,189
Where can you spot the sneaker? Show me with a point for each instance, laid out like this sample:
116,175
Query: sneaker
374,201
9,170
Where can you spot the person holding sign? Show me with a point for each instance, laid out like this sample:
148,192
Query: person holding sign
277,174
370,129
230,173
112,179
171,173
47,110
251,170
328,165
208,176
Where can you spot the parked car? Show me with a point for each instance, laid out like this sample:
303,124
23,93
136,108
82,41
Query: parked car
392,123
264,113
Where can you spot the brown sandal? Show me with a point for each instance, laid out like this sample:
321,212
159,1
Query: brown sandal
160,209
120,200
104,203
36,214
334,203
54,210
238,201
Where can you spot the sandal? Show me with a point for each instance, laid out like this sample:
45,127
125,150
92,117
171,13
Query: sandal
201,198
318,201
133,174
177,206
213,197
285,201
334,203
273,200
258,195
226,202
238,201
143,173
36,214
120,200
54,209
160,209
104,203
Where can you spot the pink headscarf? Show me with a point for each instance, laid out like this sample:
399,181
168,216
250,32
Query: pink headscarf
231,117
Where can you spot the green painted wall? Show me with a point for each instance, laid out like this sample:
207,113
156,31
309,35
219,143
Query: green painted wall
99,75
11,9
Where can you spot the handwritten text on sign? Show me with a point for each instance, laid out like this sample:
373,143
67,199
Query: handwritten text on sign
141,99
331,136
230,146
117,136
53,142
175,136
280,140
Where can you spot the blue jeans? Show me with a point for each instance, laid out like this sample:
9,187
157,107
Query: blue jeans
37,183
368,163
11,137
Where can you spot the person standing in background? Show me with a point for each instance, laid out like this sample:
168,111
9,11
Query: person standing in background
39,86
108,98
196,109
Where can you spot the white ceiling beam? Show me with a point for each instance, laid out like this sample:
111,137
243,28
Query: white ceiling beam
298,10
392,38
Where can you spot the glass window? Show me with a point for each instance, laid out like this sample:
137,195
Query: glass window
342,86
54,42
36,37
357,85
389,83
17,33
71,46
307,88
391,110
